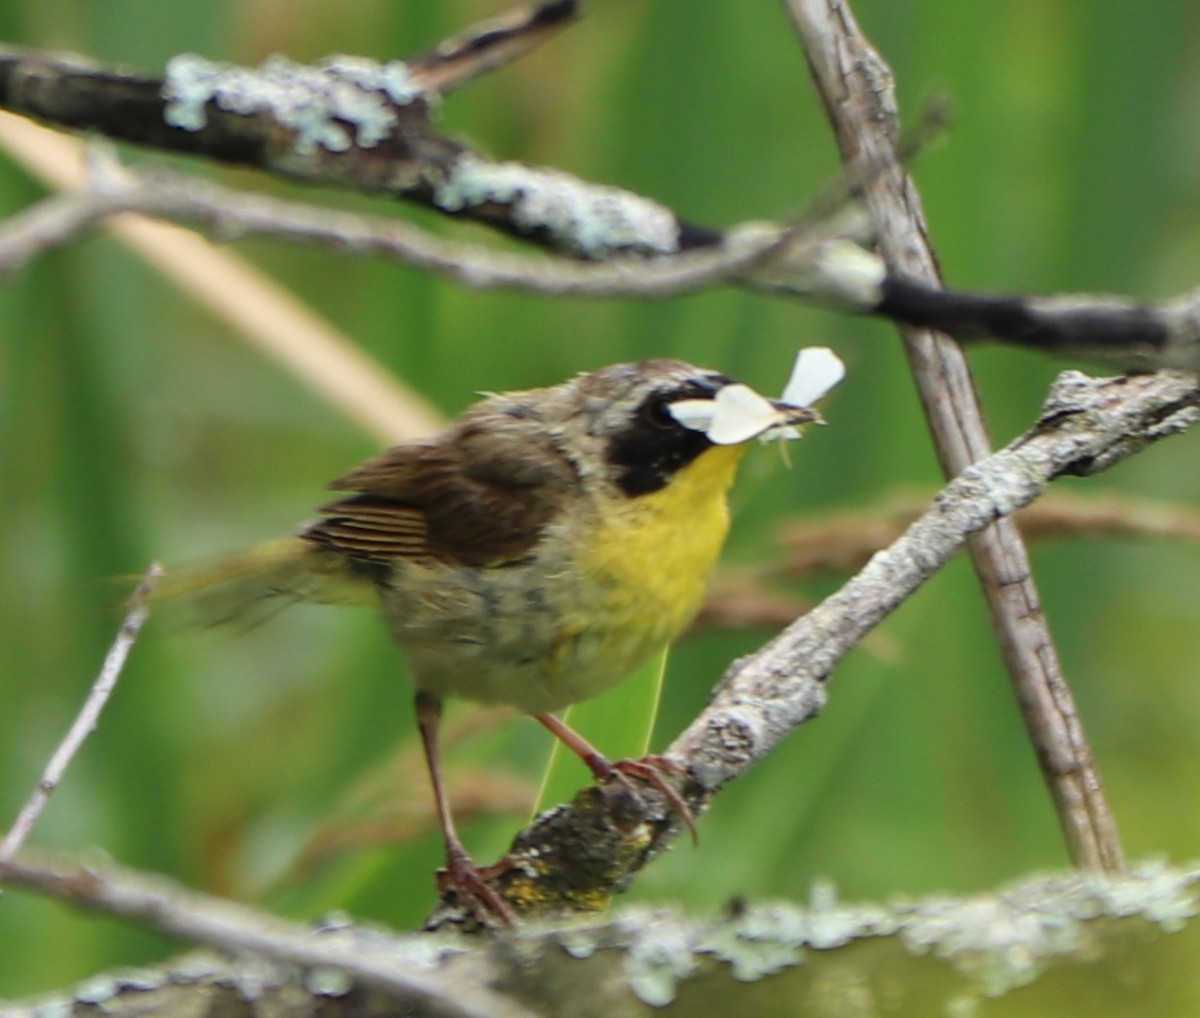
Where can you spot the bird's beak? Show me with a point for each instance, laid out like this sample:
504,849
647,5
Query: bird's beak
790,414
791,417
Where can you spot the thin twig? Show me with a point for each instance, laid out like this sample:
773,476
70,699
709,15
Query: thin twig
856,87
85,722
241,214
490,44
48,224
755,253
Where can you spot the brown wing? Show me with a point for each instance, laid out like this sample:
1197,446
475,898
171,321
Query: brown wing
479,495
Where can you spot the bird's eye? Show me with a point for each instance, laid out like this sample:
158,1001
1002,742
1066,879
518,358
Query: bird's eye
675,408
658,411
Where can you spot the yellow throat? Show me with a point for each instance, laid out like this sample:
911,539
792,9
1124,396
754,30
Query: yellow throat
650,557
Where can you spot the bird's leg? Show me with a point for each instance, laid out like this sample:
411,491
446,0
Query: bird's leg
649,769
460,873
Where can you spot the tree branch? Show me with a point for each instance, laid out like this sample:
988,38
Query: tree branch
89,715
819,262
375,135
349,122
856,86
1052,938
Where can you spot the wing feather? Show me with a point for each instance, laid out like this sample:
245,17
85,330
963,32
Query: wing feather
479,495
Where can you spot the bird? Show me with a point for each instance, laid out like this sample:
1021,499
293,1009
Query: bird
534,553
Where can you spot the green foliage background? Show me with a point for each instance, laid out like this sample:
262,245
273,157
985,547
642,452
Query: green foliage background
133,427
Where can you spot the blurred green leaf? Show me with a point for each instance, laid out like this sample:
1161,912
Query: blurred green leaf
619,724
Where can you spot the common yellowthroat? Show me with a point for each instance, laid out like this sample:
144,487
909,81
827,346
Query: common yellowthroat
538,550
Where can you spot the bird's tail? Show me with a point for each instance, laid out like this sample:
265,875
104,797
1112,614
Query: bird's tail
250,586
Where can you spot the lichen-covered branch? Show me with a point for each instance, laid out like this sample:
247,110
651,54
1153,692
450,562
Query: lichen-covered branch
240,929
347,122
1051,938
354,123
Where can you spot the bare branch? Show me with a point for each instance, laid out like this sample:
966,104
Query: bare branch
48,224
85,722
240,214
856,86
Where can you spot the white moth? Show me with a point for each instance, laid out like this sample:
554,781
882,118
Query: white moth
738,413
817,370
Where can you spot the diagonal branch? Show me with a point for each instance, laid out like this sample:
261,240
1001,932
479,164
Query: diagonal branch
1087,425
87,719
856,87
490,44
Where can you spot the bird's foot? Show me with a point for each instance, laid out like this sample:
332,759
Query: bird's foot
471,884
652,770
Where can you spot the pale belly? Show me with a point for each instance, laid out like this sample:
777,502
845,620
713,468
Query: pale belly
513,637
